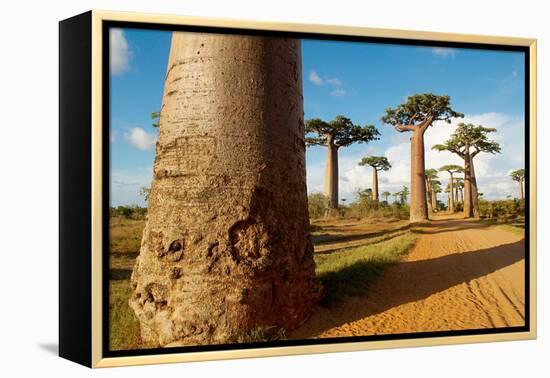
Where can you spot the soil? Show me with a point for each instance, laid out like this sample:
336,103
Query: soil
460,275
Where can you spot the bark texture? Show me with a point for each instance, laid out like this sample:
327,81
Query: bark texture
419,208
226,248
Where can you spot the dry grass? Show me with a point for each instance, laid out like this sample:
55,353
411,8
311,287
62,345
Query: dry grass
124,330
125,234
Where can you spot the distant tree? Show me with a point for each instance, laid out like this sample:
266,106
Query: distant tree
145,192
430,176
519,176
416,115
403,195
459,189
386,195
340,132
468,141
317,203
377,163
451,169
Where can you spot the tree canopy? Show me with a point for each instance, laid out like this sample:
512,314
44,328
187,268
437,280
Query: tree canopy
451,168
341,130
518,175
431,174
380,163
469,135
419,111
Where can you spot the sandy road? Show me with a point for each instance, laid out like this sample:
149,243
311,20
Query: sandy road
459,275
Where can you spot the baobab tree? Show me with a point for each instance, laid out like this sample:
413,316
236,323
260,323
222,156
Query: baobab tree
430,177
340,132
402,195
459,189
519,176
377,163
436,189
386,196
226,250
467,142
451,169
415,116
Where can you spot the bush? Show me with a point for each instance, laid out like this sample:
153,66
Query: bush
129,212
502,209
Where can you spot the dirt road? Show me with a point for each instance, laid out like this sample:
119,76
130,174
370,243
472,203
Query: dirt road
460,275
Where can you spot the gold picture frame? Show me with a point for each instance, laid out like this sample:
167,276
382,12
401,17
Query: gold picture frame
85,274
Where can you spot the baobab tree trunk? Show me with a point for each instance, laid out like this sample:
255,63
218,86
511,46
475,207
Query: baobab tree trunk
434,200
226,249
475,194
451,195
456,193
467,183
521,195
331,174
428,195
375,185
419,209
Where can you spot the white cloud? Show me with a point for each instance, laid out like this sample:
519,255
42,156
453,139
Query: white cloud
338,92
491,170
444,52
315,78
334,81
140,138
119,52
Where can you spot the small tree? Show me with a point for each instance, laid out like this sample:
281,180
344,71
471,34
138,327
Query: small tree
386,195
145,192
416,115
155,116
451,169
519,176
340,132
377,163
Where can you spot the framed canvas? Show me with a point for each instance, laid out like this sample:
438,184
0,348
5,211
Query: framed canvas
235,189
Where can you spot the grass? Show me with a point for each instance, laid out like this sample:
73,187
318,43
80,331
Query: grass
124,332
125,234
262,334
350,271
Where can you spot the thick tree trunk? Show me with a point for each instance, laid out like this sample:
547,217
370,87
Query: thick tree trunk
226,248
419,209
475,194
429,196
375,185
434,200
331,174
467,183
451,194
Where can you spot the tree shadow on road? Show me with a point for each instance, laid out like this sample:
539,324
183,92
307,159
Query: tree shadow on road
411,281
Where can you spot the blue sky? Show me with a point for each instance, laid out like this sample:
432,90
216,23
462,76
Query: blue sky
358,80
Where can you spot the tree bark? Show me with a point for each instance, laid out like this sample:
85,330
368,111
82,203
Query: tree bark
456,193
467,183
226,247
429,196
434,200
475,193
451,194
331,174
418,208
375,195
